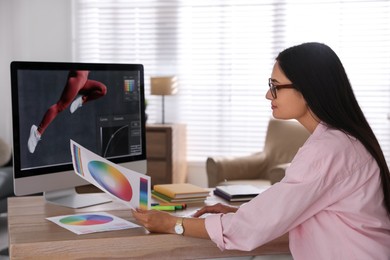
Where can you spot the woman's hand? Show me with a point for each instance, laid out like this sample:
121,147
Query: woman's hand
155,221
217,208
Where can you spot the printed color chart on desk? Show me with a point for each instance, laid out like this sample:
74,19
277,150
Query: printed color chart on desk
86,220
130,187
87,223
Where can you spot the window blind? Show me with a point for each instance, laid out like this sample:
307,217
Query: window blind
223,52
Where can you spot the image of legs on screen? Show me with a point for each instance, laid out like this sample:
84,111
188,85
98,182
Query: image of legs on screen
78,90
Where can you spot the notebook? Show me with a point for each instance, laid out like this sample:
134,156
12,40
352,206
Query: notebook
181,190
240,192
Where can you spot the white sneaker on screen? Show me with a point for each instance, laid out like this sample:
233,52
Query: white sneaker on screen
77,102
34,138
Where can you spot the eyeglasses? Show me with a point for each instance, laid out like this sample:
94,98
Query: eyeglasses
273,88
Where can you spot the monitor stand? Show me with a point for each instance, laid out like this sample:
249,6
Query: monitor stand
71,199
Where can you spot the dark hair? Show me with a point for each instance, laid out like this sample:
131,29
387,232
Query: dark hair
317,72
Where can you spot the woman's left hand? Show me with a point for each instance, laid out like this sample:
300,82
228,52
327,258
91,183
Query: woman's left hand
155,221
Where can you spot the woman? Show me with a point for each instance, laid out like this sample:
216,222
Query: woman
334,200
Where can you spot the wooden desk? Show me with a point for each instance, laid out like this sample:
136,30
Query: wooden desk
31,236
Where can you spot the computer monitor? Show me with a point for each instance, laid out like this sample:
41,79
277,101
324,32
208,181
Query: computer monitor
100,106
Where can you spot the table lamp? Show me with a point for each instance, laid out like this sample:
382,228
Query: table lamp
163,86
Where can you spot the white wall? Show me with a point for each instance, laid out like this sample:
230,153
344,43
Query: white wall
41,30
37,30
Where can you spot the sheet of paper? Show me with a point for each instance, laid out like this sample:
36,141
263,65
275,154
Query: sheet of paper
86,223
130,187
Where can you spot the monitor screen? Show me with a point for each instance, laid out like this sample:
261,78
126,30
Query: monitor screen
100,106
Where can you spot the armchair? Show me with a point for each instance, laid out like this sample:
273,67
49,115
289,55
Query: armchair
283,139
6,175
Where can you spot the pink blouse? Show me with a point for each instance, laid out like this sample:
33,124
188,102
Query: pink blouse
330,202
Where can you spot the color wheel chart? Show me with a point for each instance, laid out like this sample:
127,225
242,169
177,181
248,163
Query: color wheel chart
129,187
92,222
111,179
86,220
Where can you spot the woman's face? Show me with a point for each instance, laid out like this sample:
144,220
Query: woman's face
289,103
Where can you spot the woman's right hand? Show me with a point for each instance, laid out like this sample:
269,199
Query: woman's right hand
217,208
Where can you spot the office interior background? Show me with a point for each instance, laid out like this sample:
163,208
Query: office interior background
221,51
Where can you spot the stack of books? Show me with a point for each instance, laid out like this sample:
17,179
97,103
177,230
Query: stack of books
179,192
239,192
